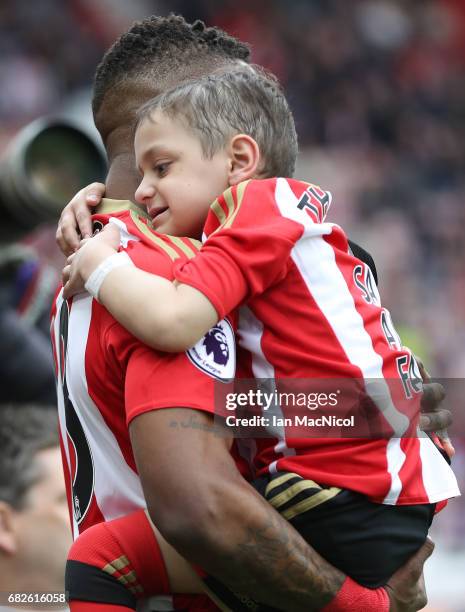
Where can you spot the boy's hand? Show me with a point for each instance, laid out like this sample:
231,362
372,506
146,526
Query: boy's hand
91,253
406,588
76,218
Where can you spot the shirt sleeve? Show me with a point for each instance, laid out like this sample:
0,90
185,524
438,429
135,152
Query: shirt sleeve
247,252
199,379
153,380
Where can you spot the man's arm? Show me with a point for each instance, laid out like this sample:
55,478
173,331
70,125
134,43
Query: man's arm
214,518
178,315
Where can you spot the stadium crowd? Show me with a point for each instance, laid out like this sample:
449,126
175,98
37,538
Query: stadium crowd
378,92
376,86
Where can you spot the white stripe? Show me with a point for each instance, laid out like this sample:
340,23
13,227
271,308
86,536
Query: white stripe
436,470
61,404
395,457
117,487
316,263
247,449
125,236
250,332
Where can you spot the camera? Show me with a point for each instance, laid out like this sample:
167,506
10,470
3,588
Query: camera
47,162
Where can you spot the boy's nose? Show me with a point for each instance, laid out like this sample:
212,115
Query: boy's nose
144,193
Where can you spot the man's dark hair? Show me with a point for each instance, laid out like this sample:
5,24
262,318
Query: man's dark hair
24,431
157,47
246,100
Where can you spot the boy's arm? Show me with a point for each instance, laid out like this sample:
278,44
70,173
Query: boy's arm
238,262
164,315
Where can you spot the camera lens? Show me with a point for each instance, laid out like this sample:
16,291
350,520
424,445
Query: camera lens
45,165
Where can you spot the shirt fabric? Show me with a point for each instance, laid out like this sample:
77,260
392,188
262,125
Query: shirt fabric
311,311
106,377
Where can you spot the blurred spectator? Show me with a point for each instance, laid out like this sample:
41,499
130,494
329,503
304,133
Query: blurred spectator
26,290
34,521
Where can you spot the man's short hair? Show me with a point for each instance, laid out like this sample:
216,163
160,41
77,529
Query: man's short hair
24,431
158,47
242,101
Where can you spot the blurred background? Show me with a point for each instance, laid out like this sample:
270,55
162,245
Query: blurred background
378,92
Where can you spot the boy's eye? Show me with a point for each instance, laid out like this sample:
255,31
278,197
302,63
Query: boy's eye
162,168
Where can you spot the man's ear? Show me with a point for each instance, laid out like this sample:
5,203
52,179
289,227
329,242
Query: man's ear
245,158
7,531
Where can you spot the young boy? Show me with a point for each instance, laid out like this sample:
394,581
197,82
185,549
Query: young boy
313,312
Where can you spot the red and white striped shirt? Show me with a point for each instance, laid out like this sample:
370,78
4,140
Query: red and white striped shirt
311,310
106,377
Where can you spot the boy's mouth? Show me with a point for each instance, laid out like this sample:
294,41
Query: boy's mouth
155,211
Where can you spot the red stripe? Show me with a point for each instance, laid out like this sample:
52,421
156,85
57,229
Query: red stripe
94,515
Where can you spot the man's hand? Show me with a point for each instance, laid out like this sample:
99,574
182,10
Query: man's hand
91,253
406,588
215,519
434,418
76,218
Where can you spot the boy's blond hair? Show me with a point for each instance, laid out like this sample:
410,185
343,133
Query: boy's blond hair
248,101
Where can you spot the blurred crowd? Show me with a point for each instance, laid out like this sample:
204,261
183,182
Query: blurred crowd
378,92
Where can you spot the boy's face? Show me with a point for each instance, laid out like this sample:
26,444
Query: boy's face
179,183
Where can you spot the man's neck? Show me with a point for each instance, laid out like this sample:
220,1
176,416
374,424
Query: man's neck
122,179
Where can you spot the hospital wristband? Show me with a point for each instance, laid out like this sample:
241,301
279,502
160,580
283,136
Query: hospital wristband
95,280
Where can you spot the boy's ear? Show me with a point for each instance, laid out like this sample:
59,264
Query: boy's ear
245,158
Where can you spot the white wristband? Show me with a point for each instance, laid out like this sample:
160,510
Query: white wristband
95,280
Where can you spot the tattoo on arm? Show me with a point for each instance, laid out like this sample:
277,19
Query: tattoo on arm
273,564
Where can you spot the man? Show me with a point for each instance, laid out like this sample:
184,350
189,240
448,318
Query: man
201,504
34,519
